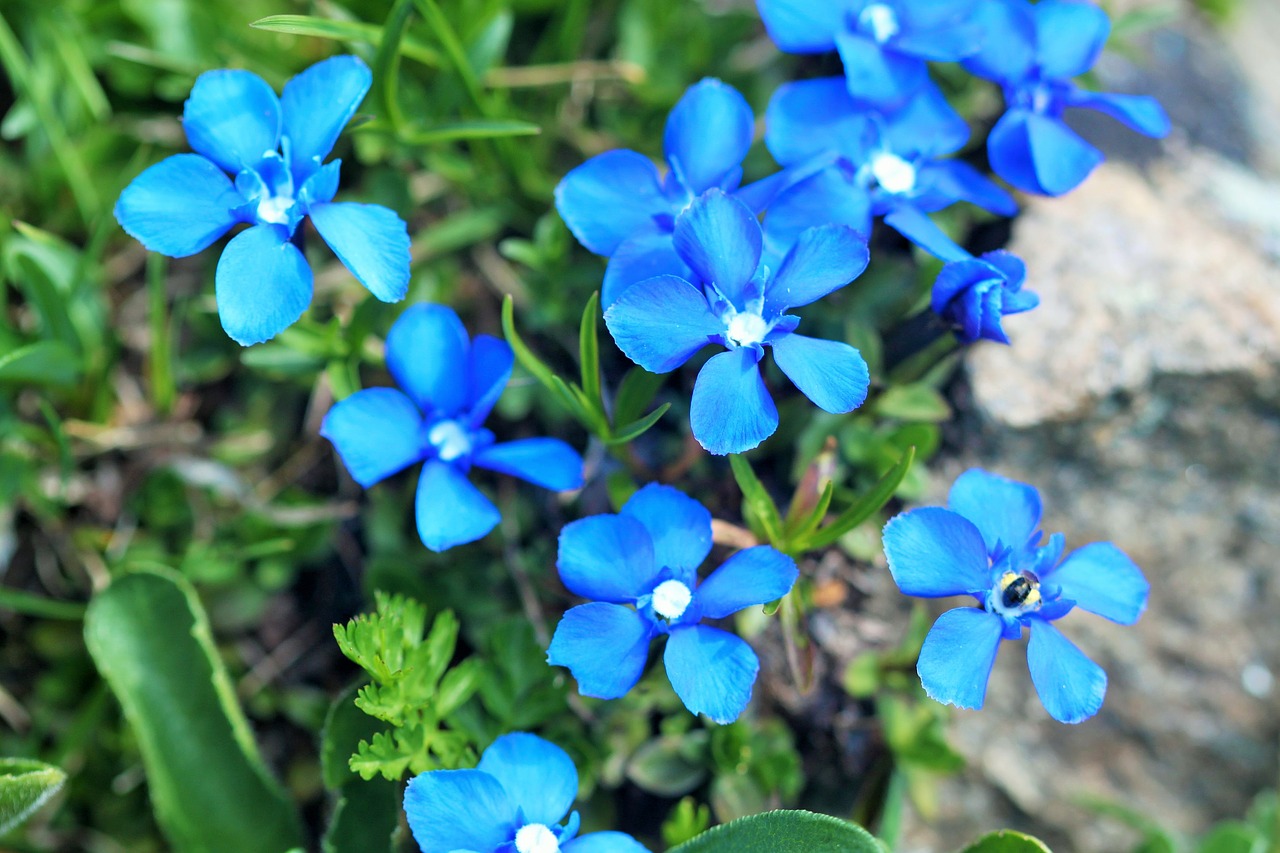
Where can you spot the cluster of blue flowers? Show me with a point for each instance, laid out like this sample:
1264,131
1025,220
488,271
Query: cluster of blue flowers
690,264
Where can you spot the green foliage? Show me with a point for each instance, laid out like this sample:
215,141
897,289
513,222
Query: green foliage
413,688
687,820
1007,841
363,810
783,832
1258,832
150,638
25,786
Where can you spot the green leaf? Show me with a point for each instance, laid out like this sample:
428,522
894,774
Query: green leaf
758,503
589,352
364,811
783,832
1007,841
1232,837
635,429
671,765
530,362
150,638
635,393
38,605
865,507
25,785
917,402
454,131
41,363
352,32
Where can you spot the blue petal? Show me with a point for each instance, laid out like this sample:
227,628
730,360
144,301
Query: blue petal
808,117
605,646
489,369
179,206
750,577
802,26
377,432
833,195
731,410
546,462
711,670
371,241
537,775
607,558
427,354
916,226
958,277
830,373
1009,49
707,135
452,810
1038,154
1100,578
720,238
317,104
648,253
957,656
956,180
1004,511
262,284
610,197
949,42
823,259
605,842
659,323
1069,36
1070,685
679,526
926,126
876,75
1137,112
233,118
934,552
321,186
449,510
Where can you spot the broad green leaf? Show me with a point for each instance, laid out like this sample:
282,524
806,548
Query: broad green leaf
1232,837
670,765
1007,841
917,402
352,32
41,363
25,786
758,502
365,812
783,832
865,507
149,636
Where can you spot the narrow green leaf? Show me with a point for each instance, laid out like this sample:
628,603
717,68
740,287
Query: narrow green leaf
454,51
37,605
25,785
386,62
637,428
589,352
150,639
783,832
805,526
530,362
453,131
635,393
1007,841
758,501
863,508
160,355
41,363
351,32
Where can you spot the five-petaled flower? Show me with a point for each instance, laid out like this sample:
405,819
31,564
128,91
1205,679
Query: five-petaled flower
1032,51
741,304
975,293
987,545
449,386
884,44
512,802
274,147
647,557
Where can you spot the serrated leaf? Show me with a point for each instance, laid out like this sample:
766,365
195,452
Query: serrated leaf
150,639
25,785
1007,841
783,832
863,508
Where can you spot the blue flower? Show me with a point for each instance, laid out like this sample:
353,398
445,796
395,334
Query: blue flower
275,149
741,304
1032,51
884,43
449,384
877,163
618,206
513,802
974,293
987,545
647,556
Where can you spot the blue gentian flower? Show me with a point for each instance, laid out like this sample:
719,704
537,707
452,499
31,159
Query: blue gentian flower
1032,51
513,802
987,545
619,206
975,293
884,43
448,386
640,568
741,304
878,163
274,148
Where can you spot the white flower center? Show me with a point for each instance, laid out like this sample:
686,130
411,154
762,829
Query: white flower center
892,173
881,21
536,838
450,440
671,599
746,329
274,210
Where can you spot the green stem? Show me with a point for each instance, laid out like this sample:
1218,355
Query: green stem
160,361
